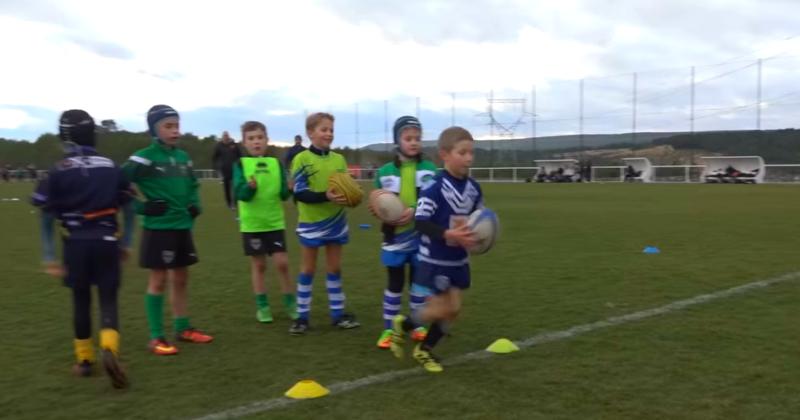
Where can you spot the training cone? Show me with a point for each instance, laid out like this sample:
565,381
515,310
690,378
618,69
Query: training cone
306,389
651,250
502,346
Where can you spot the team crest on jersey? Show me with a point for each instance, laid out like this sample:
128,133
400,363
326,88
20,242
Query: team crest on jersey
255,243
168,256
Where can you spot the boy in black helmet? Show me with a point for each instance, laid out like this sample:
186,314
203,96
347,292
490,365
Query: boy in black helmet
404,176
85,191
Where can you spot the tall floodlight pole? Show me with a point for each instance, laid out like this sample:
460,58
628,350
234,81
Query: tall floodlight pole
691,103
580,115
633,122
357,135
533,122
758,97
386,123
452,109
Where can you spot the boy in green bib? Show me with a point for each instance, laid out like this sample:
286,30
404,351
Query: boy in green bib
259,183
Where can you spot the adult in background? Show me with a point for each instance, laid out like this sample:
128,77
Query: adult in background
290,154
226,153
294,150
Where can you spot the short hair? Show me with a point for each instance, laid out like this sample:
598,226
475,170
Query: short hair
298,137
313,120
450,136
253,126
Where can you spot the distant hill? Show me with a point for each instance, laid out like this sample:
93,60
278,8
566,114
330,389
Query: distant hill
552,142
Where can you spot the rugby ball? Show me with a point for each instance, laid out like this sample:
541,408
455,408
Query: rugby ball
386,205
344,184
486,227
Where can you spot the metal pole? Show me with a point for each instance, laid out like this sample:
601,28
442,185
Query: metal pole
580,115
386,123
453,109
758,98
357,135
635,89
691,104
533,122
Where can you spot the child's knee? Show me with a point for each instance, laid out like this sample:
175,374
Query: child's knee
453,313
259,264
157,281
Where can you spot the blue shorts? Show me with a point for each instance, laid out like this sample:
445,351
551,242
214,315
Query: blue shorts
91,262
332,231
398,258
317,243
432,279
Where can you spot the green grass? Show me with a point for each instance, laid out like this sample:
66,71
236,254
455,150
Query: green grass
568,255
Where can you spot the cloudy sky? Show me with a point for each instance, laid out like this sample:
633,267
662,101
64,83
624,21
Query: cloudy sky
220,63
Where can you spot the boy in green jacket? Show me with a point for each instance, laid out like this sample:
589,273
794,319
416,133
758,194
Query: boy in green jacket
259,183
163,174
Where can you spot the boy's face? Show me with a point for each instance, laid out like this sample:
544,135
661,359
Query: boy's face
459,159
411,141
169,130
322,135
255,142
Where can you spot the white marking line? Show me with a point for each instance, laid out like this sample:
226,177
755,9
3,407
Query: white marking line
341,387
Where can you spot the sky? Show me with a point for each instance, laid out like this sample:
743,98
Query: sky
222,63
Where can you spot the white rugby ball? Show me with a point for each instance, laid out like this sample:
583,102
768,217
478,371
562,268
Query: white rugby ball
486,226
387,205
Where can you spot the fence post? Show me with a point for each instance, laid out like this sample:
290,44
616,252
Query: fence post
514,174
686,174
491,174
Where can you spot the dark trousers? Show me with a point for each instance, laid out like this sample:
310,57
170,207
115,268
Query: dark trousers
227,186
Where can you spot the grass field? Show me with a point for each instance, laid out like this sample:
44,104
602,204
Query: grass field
568,255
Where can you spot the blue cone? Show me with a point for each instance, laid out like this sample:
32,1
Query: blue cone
651,250
365,226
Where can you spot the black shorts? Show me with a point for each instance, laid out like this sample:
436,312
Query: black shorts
260,243
91,262
164,249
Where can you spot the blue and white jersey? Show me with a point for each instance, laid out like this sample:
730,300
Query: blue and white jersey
447,202
84,190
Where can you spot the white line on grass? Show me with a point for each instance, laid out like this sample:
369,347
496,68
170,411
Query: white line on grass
345,386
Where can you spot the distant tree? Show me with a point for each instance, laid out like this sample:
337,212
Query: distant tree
109,125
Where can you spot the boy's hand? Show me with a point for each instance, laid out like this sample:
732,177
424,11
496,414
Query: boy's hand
462,235
335,198
193,211
408,215
124,254
252,183
54,269
155,208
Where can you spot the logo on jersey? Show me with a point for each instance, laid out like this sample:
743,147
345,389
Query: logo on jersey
441,282
168,256
255,243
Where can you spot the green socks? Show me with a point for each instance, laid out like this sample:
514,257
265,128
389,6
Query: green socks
154,307
290,303
181,324
261,301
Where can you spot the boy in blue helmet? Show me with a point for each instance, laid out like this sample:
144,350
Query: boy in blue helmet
85,191
404,176
163,174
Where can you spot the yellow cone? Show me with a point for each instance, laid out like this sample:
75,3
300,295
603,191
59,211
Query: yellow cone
307,389
502,346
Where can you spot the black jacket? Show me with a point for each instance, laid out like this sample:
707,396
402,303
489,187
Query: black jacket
225,155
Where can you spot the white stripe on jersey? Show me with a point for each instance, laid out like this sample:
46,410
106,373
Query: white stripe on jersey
139,159
426,207
459,203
